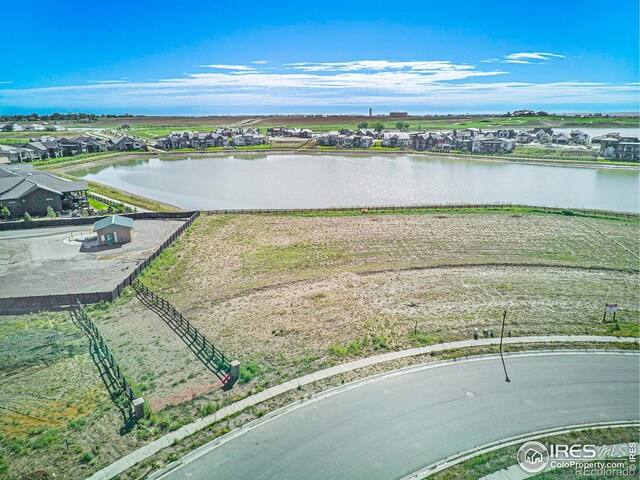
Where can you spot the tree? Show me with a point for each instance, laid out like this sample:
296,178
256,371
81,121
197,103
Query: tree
5,213
50,212
363,125
27,217
378,126
402,126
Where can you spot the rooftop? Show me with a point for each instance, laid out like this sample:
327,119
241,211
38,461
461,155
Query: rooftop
113,221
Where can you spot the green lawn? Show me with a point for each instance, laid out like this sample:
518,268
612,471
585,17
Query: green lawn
97,204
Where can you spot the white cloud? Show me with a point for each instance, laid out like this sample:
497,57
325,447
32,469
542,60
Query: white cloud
122,80
6,82
380,82
376,65
229,67
260,62
525,58
533,56
526,62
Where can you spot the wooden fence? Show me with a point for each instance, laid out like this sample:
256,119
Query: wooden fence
76,221
52,302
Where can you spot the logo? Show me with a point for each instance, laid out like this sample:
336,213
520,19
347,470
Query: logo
533,457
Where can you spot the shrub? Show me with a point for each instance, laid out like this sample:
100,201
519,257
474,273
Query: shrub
86,457
248,372
46,439
27,217
50,213
208,408
77,424
5,213
338,350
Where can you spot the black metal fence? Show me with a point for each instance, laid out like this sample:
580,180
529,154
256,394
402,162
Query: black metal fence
119,388
212,357
50,302
397,208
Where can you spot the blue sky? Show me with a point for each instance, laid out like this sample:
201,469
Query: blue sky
199,58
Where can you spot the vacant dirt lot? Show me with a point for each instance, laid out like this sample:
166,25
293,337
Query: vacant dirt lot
43,261
293,294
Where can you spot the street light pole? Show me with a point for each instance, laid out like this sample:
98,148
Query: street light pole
504,318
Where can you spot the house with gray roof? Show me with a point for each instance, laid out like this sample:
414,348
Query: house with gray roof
30,191
14,154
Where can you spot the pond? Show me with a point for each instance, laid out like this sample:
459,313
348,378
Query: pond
317,180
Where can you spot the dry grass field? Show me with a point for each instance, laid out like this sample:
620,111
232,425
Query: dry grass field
293,293
287,295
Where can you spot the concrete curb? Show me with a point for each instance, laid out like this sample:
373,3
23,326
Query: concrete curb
152,448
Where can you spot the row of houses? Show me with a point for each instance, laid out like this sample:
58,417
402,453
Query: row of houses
46,147
23,189
472,141
289,132
221,137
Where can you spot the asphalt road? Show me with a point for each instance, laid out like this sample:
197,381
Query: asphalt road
396,425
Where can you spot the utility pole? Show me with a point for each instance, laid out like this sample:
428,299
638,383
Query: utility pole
504,318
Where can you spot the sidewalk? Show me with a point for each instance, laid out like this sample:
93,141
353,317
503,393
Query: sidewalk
154,447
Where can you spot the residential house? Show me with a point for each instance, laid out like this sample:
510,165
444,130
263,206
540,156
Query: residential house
91,144
39,150
396,139
29,191
506,134
125,143
620,148
249,139
493,145
328,139
579,137
13,154
542,136
357,141
238,140
560,139
524,137
70,148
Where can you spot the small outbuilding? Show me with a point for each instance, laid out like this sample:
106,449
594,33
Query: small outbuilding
113,229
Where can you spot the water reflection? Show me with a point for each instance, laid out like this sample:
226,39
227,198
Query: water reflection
306,181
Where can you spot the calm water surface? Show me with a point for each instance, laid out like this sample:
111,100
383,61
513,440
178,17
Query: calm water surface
308,181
